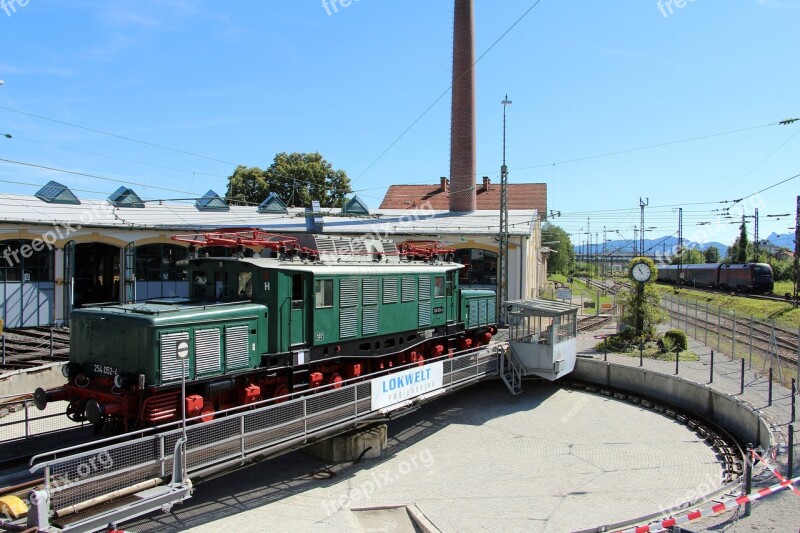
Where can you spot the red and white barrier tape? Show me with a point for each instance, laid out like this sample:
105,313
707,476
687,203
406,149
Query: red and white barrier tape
714,510
774,471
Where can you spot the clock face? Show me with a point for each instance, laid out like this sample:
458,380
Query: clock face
641,272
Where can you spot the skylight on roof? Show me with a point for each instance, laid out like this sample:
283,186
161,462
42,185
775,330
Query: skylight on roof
273,204
211,202
125,197
55,193
356,206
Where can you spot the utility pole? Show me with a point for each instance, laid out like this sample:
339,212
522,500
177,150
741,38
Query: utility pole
635,241
642,205
605,269
680,246
755,242
503,255
796,249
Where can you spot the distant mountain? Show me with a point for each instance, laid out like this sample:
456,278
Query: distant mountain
660,245
786,240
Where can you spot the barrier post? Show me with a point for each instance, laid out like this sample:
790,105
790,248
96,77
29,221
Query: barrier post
641,353
711,377
51,342
677,359
605,348
750,363
748,474
794,397
791,451
4,348
769,394
741,386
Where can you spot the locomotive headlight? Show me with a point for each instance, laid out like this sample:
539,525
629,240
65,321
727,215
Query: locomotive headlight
70,369
118,381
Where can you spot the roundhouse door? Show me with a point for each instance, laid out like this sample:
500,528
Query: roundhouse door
298,321
129,274
69,279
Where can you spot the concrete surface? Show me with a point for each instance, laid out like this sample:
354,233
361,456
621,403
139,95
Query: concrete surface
549,459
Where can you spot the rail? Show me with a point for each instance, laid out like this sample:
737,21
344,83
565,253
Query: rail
232,440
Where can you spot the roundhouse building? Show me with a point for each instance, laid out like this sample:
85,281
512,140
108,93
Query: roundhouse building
59,252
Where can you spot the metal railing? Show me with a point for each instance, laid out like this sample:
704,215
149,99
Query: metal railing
21,420
233,437
763,343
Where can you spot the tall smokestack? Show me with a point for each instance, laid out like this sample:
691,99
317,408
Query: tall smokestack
462,118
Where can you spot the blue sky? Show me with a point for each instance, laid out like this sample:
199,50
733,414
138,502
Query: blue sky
240,81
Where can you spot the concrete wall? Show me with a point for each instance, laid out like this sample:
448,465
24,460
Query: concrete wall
22,382
740,419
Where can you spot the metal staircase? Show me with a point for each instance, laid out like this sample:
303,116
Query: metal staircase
512,371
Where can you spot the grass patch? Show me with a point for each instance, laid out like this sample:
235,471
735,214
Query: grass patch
780,312
651,351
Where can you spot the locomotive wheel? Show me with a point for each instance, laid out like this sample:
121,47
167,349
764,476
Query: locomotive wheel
280,390
75,410
336,380
207,412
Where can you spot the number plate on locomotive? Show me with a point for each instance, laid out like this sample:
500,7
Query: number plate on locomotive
104,370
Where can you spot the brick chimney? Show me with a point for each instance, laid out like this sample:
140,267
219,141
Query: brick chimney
462,117
443,184
486,183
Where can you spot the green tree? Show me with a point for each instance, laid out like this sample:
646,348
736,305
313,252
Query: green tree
562,259
712,254
247,186
690,256
646,304
297,178
741,249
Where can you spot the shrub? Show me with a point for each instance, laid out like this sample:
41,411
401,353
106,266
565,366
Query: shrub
677,339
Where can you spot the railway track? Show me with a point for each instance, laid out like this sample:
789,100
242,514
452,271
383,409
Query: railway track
31,347
760,336
593,322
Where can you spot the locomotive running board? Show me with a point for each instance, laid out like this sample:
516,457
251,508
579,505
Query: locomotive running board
148,500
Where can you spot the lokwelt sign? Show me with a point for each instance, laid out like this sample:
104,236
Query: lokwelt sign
405,385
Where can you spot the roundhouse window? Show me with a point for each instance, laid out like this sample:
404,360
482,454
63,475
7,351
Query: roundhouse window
158,262
25,260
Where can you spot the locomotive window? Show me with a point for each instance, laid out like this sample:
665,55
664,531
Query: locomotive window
245,288
297,287
323,293
220,284
200,283
438,289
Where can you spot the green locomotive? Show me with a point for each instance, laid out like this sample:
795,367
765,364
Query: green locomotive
302,316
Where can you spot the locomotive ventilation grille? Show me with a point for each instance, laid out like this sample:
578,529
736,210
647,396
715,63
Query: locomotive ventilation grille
236,352
408,290
170,364
424,301
390,290
369,323
348,292
206,351
369,295
348,322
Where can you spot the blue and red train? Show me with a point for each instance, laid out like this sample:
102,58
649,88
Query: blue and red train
743,277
